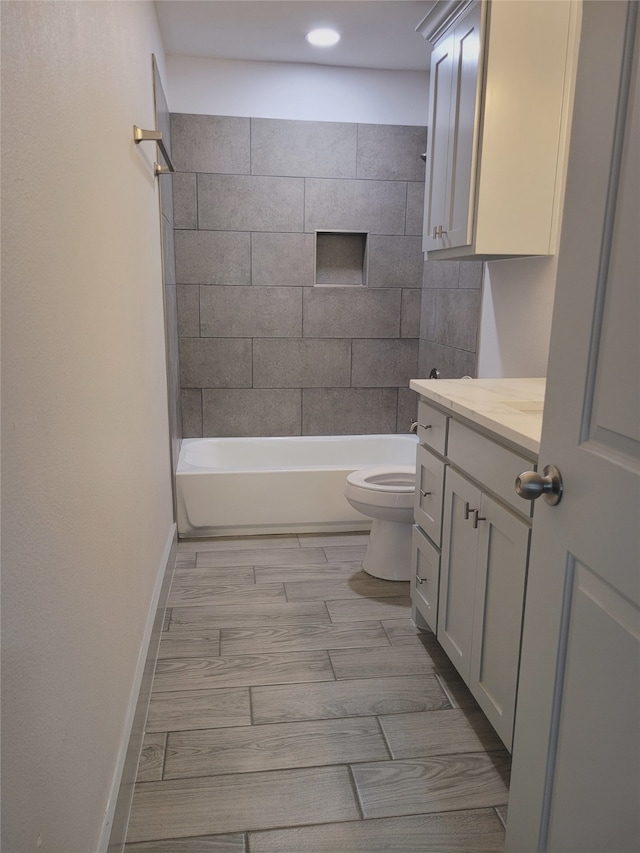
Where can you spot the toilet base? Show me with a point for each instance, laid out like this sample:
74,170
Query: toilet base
389,551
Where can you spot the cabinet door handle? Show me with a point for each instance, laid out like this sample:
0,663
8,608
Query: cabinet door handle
425,426
419,579
477,518
468,510
424,494
438,232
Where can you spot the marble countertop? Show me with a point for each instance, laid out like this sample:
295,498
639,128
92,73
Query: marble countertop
510,408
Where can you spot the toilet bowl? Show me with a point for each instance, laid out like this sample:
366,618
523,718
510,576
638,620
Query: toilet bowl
385,494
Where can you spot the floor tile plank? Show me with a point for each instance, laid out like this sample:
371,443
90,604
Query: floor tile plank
178,646
423,785
309,573
183,710
233,843
439,733
242,670
359,586
238,543
380,662
299,638
152,756
273,747
183,593
346,610
185,619
474,831
194,576
259,557
324,540
360,697
345,553
241,801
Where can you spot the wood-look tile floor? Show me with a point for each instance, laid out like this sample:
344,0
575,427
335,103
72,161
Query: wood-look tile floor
296,709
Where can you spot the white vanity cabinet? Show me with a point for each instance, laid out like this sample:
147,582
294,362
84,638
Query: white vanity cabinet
470,555
500,95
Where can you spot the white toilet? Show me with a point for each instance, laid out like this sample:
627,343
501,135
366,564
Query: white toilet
385,494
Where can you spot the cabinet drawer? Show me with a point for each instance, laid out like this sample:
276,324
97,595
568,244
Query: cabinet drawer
489,463
429,493
426,578
432,427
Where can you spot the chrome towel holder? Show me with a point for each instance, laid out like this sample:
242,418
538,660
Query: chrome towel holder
140,135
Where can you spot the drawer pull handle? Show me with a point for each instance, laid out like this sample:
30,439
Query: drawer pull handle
477,518
424,494
419,579
425,426
468,510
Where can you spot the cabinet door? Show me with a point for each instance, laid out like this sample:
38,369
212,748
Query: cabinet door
458,571
464,130
435,205
503,545
428,497
426,575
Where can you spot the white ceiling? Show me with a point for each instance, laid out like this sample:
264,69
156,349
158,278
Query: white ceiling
375,33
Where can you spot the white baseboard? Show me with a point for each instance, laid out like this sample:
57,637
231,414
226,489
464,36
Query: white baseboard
114,827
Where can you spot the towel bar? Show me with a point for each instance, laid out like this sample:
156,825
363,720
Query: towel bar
140,135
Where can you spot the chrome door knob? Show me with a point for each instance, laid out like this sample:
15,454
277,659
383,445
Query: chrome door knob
530,485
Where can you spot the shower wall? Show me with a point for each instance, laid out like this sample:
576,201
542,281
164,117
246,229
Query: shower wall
263,349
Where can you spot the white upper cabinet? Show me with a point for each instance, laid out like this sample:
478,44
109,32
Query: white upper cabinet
500,101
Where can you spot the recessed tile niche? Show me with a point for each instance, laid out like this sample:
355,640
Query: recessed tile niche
341,258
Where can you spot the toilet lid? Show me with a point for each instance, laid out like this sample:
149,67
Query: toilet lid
394,478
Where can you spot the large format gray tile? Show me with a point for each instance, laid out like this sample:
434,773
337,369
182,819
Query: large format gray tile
469,831
470,274
185,206
273,747
187,710
305,363
251,312
250,203
395,261
464,363
441,357
241,801
391,152
297,638
407,409
188,301
428,307
319,149
377,207
457,318
282,259
241,670
215,362
191,407
377,363
202,143
213,257
439,733
228,843
348,411
415,208
438,784
410,314
245,412
351,312
347,698
441,274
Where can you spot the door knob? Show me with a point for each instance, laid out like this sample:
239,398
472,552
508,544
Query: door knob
530,485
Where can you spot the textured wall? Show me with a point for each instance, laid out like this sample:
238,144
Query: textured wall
262,350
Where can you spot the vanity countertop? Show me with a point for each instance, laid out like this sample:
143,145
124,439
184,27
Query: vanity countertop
510,408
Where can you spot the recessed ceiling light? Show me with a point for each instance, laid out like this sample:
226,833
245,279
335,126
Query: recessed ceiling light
323,37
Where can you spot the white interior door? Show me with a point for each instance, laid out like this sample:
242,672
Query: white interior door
576,757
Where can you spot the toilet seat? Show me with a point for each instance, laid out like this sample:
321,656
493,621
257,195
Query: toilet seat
383,486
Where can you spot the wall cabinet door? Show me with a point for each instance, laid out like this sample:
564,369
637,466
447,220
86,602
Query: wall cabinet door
503,546
458,571
451,155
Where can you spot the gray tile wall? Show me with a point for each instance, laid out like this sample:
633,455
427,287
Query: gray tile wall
262,350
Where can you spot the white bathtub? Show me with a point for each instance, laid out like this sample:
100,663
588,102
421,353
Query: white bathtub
293,484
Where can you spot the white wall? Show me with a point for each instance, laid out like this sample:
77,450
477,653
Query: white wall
515,322
295,91
86,511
